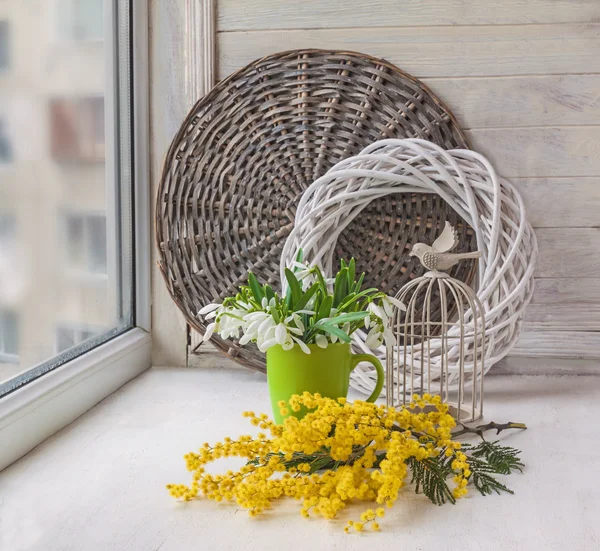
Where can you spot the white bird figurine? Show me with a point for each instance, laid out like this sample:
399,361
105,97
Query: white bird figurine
437,256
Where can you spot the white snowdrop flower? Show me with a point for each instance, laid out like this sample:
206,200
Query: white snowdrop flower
213,314
373,339
376,310
230,323
246,338
253,316
267,336
321,341
389,303
301,271
230,333
267,323
388,337
265,345
252,329
302,345
210,329
288,345
281,333
297,320
209,308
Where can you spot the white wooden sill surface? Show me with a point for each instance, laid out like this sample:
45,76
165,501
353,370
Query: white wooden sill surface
99,483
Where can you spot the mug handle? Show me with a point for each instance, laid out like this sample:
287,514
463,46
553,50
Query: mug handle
356,359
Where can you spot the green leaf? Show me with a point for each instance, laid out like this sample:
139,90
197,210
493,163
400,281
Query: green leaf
482,477
299,255
321,463
288,298
358,284
255,287
343,307
353,298
275,314
325,307
340,288
351,273
320,279
429,476
308,294
486,484
333,330
268,291
294,285
345,318
503,459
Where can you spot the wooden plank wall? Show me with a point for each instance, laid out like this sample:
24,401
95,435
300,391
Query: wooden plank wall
523,78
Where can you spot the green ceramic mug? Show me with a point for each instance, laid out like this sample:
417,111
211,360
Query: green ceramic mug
324,370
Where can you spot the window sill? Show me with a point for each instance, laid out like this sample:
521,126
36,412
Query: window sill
31,414
103,477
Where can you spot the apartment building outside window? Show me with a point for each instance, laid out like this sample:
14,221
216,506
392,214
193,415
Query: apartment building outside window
9,337
69,335
85,242
65,132
77,129
80,19
6,149
4,45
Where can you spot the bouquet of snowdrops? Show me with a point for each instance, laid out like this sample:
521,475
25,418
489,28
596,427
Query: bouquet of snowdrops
312,310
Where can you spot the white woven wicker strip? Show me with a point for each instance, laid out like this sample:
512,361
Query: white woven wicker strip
470,185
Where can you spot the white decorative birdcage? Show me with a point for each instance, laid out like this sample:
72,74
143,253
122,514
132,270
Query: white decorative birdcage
438,352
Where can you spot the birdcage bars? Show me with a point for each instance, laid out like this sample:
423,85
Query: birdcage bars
419,359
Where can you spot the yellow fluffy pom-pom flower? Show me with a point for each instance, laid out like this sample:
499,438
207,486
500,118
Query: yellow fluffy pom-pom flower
338,453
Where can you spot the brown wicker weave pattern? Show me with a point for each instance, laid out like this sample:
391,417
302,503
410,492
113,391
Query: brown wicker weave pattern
247,151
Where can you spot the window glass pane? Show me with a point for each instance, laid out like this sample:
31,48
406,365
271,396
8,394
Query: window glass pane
5,145
65,339
97,244
65,207
80,19
75,241
9,336
4,44
69,336
89,19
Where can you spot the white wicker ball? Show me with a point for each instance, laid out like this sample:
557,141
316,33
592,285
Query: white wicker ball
470,185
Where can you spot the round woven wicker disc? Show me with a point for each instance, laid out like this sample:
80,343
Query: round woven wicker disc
246,152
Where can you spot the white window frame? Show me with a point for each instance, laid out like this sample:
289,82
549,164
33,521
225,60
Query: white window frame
42,407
